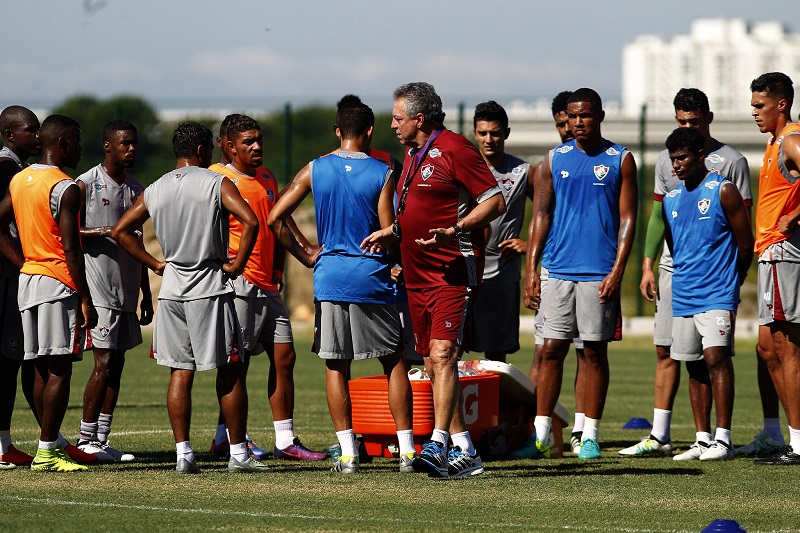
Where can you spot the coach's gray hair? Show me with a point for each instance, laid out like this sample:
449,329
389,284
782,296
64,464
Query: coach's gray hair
421,97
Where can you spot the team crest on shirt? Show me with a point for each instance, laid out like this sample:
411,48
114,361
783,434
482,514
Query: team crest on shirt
104,332
136,191
271,195
507,184
516,171
712,184
427,171
703,205
601,171
564,149
435,153
612,151
714,159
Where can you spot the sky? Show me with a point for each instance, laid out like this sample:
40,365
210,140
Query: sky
218,53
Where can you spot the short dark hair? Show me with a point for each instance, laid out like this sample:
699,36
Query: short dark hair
239,124
13,116
585,94
353,117
776,85
685,138
188,136
226,122
113,126
421,97
691,100
559,104
490,111
54,126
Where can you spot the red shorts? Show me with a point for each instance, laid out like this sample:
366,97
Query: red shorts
440,312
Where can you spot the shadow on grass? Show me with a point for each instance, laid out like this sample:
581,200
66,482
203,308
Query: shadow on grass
583,468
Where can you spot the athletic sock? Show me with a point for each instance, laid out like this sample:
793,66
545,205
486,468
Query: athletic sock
405,437
103,426
239,451
61,441
5,441
221,435
541,426
772,427
794,439
591,429
347,440
45,445
440,436
284,433
580,418
703,436
661,422
463,441
184,451
723,435
88,431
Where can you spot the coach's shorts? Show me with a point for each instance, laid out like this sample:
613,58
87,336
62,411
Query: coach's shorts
12,343
116,330
51,328
264,321
409,351
538,319
693,334
778,280
494,324
662,321
345,330
439,313
196,335
573,309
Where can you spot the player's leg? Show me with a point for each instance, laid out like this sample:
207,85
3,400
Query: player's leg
687,345
401,406
9,371
94,396
580,393
179,409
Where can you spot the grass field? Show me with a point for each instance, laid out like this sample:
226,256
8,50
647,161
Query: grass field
612,494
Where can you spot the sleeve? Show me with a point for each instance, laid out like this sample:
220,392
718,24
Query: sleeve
471,171
57,193
655,231
739,174
663,170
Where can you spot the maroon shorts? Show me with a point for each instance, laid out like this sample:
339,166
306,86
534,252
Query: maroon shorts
440,312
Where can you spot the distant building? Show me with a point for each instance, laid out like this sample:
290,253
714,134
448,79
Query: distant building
720,56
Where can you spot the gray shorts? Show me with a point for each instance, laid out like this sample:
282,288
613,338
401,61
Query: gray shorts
778,279
662,321
116,330
196,335
572,309
264,321
12,343
409,352
538,320
494,324
693,334
51,328
345,330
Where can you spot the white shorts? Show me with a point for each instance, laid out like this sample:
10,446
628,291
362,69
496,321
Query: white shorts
572,309
116,330
662,321
51,328
693,334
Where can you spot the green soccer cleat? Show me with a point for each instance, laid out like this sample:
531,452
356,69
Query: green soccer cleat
648,447
590,449
54,460
532,449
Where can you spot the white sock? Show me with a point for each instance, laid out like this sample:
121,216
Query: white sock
45,445
440,436
723,435
103,426
541,425
405,437
184,451
577,427
591,429
61,441
5,441
239,451
794,439
284,433
347,440
221,435
772,427
463,441
703,436
661,423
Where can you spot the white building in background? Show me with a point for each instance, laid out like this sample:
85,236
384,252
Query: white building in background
720,56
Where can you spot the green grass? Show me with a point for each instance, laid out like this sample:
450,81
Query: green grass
613,494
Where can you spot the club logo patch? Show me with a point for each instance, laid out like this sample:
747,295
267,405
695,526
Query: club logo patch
427,171
601,171
516,171
564,149
508,184
703,205
104,332
612,151
714,159
712,184
435,153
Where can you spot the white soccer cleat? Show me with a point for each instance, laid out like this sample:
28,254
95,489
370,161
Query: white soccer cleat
718,451
693,453
115,454
96,449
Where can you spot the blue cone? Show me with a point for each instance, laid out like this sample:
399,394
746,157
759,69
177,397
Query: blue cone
724,526
637,423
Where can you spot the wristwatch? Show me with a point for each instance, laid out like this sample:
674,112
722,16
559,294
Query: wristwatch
458,230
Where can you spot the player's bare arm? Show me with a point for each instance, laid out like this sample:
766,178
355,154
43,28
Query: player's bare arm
628,205
68,226
544,205
479,217
735,210
125,233
293,241
791,157
232,201
7,246
146,307
100,231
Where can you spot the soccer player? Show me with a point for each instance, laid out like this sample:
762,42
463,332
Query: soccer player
691,111
196,327
20,130
356,317
115,279
708,232
494,325
587,202
778,249
53,296
261,312
447,195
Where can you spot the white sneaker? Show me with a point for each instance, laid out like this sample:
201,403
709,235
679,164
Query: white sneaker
96,449
115,454
648,447
575,442
718,451
693,453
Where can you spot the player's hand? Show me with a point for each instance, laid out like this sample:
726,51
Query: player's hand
609,288
315,250
396,273
648,286
377,241
532,295
87,314
787,224
441,236
146,307
512,247
159,270
277,279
